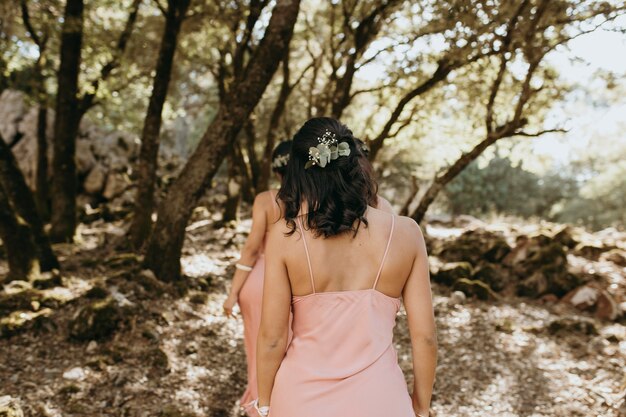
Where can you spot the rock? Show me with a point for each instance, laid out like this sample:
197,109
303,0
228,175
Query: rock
116,184
617,256
583,298
22,300
568,325
198,297
92,346
449,273
16,286
493,275
157,358
95,180
456,298
150,282
475,288
10,407
12,111
541,263
565,236
48,280
548,299
96,321
533,286
85,159
19,321
594,299
473,246
97,292
591,251
75,374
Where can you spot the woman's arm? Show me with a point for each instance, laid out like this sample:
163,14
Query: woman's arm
419,308
250,251
274,330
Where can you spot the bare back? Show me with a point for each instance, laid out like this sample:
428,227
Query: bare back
347,263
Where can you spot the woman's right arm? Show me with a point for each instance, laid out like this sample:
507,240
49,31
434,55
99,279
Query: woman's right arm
419,308
251,250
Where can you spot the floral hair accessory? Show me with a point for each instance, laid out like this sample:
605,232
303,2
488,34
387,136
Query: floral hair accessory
280,161
327,150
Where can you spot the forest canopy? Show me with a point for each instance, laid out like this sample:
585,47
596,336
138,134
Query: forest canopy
431,86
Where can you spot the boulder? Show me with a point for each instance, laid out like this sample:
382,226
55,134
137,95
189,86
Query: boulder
541,264
473,246
617,256
576,325
96,321
116,183
593,299
565,236
591,251
19,321
95,180
494,275
449,273
533,286
548,279
456,298
475,288
12,111
27,300
85,160
10,407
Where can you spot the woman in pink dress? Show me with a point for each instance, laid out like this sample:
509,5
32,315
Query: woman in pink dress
343,268
247,284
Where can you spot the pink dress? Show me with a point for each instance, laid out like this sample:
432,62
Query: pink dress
341,361
250,297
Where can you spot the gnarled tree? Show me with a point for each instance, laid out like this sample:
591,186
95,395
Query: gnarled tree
165,245
147,166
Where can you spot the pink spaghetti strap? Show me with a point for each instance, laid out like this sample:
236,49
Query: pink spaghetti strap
308,258
380,269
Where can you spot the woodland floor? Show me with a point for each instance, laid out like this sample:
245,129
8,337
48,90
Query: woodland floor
180,357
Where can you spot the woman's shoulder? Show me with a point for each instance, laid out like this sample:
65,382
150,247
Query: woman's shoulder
265,199
409,230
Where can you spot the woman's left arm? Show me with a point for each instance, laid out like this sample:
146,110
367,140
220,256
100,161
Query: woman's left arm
250,252
274,330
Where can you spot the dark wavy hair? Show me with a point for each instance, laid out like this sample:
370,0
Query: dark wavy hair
336,195
281,150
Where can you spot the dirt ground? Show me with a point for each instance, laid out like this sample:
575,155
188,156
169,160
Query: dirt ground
178,356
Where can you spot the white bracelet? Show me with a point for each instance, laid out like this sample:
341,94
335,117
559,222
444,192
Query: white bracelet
263,411
243,267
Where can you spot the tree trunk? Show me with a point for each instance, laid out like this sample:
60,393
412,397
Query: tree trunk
247,184
270,137
41,182
455,169
18,243
148,157
64,180
165,245
21,199
255,165
233,195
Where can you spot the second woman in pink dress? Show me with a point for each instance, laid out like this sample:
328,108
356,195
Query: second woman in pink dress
247,285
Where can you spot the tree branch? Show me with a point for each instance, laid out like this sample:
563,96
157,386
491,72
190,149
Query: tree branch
540,133
86,102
